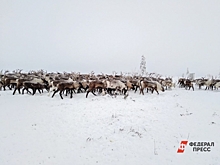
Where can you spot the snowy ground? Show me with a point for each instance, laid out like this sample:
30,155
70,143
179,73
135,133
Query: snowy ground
109,131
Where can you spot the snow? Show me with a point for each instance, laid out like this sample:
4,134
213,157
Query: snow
141,129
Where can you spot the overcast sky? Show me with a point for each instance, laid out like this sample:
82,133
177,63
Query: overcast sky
111,35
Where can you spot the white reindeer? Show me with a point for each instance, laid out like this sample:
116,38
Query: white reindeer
217,85
115,85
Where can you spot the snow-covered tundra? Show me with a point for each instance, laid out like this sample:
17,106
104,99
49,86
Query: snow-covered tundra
138,130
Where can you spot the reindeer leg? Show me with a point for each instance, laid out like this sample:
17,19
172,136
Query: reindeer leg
61,95
86,88
65,90
19,90
79,90
93,92
109,91
4,87
87,93
14,91
148,90
135,89
34,91
152,90
28,91
23,90
156,91
55,92
9,87
71,93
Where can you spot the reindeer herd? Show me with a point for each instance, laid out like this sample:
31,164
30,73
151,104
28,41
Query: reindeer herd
73,83
207,83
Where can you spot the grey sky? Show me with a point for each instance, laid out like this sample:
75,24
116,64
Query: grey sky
106,36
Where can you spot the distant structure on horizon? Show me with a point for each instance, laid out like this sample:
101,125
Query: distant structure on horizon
190,76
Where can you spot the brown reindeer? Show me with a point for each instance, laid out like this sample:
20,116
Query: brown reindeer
97,84
181,82
70,86
34,86
188,84
9,81
53,83
19,84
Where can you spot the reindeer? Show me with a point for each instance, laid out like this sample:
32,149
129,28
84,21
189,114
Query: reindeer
97,84
168,83
209,84
114,85
188,84
200,82
19,84
70,86
53,84
9,81
34,87
136,84
181,82
151,85
129,85
217,85
84,85
32,80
